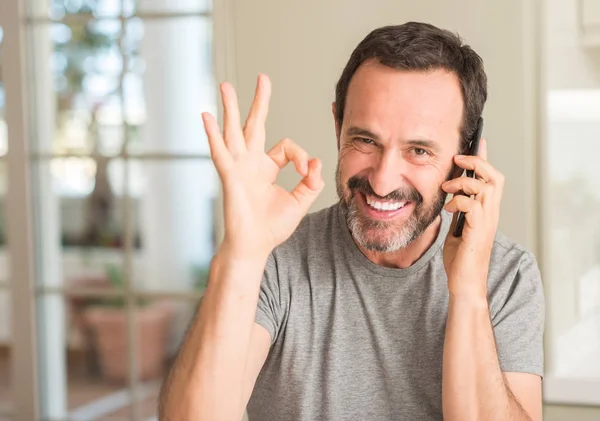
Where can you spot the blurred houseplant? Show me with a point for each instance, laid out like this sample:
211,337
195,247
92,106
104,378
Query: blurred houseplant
92,58
107,321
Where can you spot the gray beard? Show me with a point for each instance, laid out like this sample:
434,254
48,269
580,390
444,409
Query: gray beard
361,226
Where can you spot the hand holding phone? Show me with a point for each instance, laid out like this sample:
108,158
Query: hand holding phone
473,150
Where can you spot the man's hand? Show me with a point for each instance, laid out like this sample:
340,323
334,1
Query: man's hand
466,258
259,215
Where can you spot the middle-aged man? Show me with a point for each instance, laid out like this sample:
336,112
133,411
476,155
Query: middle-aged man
371,309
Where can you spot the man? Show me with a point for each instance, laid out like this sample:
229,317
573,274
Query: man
371,309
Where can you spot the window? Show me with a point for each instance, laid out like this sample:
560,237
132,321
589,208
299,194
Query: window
122,194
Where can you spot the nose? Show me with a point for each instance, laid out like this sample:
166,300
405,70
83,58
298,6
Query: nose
388,173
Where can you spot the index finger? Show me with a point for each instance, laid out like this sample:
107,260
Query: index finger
254,129
483,169
285,151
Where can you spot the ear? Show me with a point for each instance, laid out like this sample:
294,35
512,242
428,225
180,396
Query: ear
337,127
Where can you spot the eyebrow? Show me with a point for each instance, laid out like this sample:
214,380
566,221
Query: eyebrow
358,131
422,143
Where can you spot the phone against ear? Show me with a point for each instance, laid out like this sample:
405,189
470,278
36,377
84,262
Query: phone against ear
473,150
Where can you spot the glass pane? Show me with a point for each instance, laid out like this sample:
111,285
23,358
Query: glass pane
79,221
74,383
158,328
177,86
573,239
176,218
161,325
79,227
102,85
84,69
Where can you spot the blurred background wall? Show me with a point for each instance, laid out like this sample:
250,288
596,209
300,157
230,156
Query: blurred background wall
304,46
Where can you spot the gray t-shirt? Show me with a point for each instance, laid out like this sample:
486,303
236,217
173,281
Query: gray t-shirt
352,340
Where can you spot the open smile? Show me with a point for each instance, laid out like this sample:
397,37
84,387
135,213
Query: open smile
383,209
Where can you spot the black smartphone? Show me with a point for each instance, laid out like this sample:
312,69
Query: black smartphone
473,150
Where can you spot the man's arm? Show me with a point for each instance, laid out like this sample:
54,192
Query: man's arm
224,349
474,387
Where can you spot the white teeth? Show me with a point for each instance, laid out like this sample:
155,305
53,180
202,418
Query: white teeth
385,206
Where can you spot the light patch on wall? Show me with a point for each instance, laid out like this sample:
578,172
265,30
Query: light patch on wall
574,135
574,104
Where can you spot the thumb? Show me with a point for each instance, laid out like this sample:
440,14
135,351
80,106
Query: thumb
309,188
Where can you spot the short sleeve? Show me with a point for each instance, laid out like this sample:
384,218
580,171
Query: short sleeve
519,324
269,313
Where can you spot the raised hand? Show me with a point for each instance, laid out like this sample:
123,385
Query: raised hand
259,215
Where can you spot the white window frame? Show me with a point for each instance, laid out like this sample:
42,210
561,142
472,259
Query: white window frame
19,223
24,292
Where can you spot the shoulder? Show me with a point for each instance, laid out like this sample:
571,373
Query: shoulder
510,256
517,310
514,275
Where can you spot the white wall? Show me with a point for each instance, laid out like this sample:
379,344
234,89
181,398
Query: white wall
303,46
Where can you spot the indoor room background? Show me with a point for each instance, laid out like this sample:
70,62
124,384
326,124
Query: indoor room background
110,207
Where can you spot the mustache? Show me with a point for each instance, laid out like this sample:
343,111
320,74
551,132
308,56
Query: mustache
361,184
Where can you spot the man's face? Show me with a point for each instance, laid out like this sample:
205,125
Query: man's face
396,144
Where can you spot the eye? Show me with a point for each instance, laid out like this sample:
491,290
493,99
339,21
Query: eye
364,144
420,152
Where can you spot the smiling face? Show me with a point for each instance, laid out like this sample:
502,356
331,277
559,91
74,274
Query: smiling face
399,134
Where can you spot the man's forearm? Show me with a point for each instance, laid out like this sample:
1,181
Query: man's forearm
206,380
473,386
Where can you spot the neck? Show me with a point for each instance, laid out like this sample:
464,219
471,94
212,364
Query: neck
405,257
